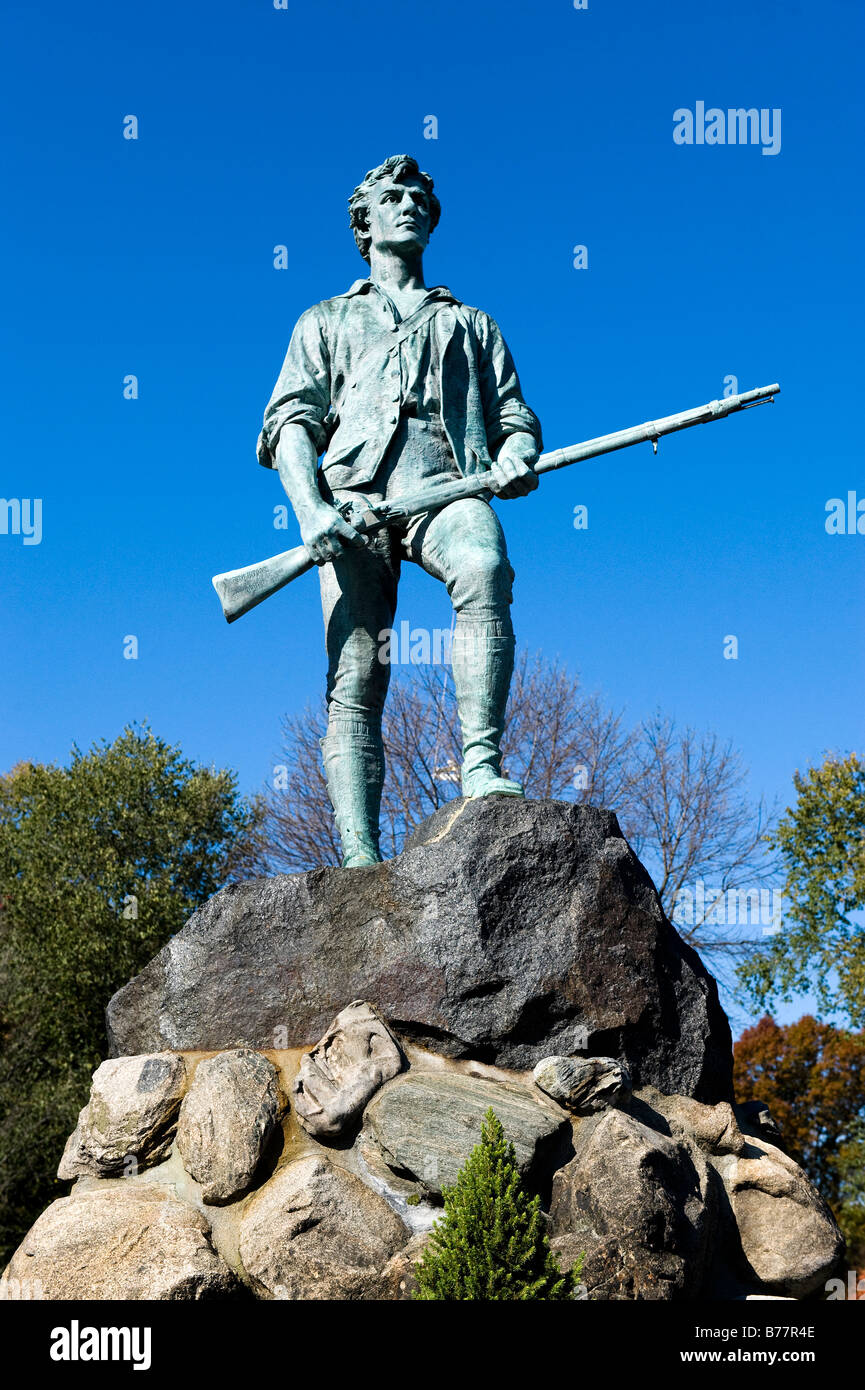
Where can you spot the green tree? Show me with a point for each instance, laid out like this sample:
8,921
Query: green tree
812,1077
492,1243
821,840
100,863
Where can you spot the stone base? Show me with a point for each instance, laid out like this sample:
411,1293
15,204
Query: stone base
506,931
661,1197
516,957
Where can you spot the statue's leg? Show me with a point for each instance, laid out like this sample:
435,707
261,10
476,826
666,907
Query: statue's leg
464,545
358,595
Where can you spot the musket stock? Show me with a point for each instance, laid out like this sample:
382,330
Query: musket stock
240,590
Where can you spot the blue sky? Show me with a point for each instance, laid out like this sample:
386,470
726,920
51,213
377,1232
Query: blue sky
555,129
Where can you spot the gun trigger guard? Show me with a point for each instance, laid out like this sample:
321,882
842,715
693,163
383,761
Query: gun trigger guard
352,512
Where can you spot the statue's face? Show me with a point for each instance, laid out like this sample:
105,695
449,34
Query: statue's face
399,216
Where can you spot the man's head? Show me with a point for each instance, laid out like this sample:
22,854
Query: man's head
394,207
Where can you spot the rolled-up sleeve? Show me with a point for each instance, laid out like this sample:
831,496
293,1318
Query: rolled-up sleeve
301,395
505,411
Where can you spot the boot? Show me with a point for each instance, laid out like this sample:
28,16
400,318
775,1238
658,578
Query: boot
354,768
482,663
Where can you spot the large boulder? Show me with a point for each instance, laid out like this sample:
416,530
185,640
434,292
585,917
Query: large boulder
130,1119
427,1123
784,1237
506,931
122,1240
315,1231
227,1122
637,1206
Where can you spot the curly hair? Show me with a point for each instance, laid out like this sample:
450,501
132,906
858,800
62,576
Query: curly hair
398,167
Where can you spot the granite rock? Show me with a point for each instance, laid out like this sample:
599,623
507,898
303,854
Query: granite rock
584,1085
121,1240
714,1127
316,1231
508,930
638,1206
130,1119
785,1238
227,1121
426,1124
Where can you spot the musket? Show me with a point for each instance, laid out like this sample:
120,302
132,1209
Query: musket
240,590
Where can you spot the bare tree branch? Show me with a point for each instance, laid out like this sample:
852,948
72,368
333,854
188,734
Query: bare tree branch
680,796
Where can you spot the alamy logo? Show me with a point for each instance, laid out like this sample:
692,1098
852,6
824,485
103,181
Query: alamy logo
845,518
732,907
739,126
854,1289
415,646
22,516
76,1343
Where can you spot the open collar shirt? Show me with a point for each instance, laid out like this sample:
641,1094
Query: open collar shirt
354,365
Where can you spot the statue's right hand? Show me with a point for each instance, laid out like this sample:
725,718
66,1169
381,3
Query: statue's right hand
326,533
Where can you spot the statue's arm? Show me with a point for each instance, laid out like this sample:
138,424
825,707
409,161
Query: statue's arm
323,530
295,432
505,411
301,395
513,430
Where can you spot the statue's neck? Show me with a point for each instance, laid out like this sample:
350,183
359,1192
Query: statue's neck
395,272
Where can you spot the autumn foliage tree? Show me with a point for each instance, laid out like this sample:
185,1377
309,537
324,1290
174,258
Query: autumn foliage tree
812,1077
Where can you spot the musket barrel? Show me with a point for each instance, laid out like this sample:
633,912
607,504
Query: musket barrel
243,589
653,430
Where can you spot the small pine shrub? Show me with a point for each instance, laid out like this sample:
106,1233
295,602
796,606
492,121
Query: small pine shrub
491,1243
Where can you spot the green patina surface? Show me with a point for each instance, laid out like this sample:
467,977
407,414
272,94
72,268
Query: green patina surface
398,386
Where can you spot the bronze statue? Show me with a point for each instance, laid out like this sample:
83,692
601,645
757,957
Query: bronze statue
414,401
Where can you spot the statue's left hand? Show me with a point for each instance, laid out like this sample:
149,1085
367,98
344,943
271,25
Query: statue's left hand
512,474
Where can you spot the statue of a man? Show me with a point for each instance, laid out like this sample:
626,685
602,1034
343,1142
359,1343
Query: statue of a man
398,386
